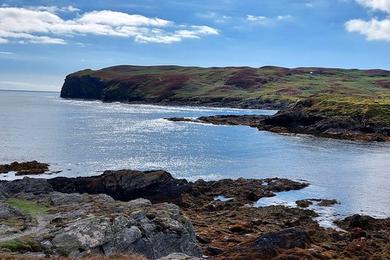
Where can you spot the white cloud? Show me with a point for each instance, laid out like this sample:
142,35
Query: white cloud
381,5
215,17
265,20
283,17
6,53
257,19
373,29
45,26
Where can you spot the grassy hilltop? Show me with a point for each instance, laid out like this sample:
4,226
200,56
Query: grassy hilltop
363,95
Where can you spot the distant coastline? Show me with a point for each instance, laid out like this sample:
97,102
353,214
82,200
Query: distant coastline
336,103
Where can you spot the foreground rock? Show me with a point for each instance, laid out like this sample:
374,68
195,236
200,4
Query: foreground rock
78,225
157,186
25,168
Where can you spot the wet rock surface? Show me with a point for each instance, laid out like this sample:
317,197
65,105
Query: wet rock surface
320,202
77,224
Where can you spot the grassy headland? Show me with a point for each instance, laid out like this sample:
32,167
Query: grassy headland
360,95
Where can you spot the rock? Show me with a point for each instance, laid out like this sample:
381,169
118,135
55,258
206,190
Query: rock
26,185
179,256
214,250
25,168
286,239
139,204
203,240
6,230
57,198
240,228
320,202
357,221
137,227
303,203
8,212
358,233
327,203
83,235
157,186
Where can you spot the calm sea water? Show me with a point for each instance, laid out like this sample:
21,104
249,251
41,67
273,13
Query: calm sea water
83,138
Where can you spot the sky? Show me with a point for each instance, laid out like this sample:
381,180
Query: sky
43,41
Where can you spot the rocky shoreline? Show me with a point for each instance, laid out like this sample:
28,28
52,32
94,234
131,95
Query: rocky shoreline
152,215
299,121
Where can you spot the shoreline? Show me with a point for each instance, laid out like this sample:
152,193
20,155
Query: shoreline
222,228
293,120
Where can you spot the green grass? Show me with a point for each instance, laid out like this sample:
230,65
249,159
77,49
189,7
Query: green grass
27,207
21,245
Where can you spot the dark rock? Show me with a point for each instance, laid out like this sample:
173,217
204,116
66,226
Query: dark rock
214,250
202,239
179,256
157,186
85,87
25,185
303,203
240,228
327,203
286,239
357,221
320,202
25,168
358,233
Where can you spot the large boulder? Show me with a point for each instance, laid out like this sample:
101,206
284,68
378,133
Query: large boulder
7,212
151,230
157,186
285,239
271,244
26,185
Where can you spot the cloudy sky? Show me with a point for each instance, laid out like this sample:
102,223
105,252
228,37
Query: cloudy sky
42,41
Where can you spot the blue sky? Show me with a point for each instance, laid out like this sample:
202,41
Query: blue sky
42,41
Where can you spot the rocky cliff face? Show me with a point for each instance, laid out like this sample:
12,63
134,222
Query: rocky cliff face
84,87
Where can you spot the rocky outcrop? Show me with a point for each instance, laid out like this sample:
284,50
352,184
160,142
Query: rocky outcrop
79,225
215,218
298,121
25,185
157,186
151,230
25,168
